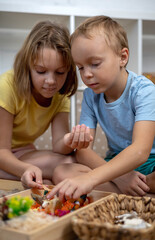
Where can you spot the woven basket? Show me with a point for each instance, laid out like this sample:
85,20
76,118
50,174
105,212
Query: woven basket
97,221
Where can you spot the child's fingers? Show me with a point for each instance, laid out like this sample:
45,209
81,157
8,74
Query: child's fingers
25,185
143,183
85,137
80,137
56,190
77,193
142,177
68,138
76,137
73,130
81,141
91,138
140,191
88,137
69,193
66,190
143,186
28,182
38,178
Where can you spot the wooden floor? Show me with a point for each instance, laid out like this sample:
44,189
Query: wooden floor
9,187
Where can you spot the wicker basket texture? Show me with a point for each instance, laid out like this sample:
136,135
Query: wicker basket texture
97,221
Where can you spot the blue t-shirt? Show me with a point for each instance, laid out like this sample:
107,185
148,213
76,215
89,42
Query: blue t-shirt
137,103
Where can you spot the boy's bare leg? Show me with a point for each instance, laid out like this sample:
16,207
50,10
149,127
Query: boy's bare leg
150,179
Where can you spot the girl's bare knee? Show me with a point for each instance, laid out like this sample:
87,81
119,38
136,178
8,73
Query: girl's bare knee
68,170
59,173
54,160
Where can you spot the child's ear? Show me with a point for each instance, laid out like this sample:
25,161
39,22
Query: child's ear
124,57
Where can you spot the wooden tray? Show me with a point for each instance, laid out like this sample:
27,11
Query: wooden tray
59,230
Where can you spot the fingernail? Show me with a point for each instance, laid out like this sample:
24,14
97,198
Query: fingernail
47,197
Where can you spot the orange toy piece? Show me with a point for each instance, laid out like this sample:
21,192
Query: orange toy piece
67,206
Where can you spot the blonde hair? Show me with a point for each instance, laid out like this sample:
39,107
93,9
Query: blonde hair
44,34
115,35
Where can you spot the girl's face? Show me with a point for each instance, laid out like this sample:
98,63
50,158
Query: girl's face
99,66
48,74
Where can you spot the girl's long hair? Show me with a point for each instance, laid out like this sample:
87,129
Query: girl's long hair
50,35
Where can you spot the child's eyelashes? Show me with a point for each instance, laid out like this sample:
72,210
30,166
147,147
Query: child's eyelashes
80,68
44,72
95,64
41,72
92,65
60,73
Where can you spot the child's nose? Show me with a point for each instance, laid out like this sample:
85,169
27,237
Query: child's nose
50,79
87,72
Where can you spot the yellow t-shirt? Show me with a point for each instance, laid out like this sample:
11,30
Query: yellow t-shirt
30,120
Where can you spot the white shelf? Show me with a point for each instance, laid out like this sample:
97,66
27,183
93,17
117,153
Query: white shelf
142,9
148,50
82,88
148,53
17,17
18,20
149,40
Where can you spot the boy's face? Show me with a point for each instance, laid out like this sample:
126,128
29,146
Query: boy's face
99,66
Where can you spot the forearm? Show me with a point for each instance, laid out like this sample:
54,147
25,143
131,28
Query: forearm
9,163
61,147
124,162
89,158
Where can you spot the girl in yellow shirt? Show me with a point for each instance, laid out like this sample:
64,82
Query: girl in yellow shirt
34,95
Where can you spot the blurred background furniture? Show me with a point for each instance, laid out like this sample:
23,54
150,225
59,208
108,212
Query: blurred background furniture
137,17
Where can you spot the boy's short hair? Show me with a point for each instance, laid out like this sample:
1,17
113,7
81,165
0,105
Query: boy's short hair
114,33
50,35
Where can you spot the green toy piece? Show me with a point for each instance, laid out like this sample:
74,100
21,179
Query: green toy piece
15,206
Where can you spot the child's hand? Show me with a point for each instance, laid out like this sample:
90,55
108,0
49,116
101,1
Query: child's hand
79,138
132,183
32,177
72,188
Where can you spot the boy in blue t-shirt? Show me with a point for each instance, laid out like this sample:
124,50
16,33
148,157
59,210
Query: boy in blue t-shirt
124,106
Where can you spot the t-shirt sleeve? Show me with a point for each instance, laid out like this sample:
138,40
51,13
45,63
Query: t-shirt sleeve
144,102
87,116
7,92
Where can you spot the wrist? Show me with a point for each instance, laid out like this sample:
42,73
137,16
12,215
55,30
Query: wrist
24,168
94,179
117,180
